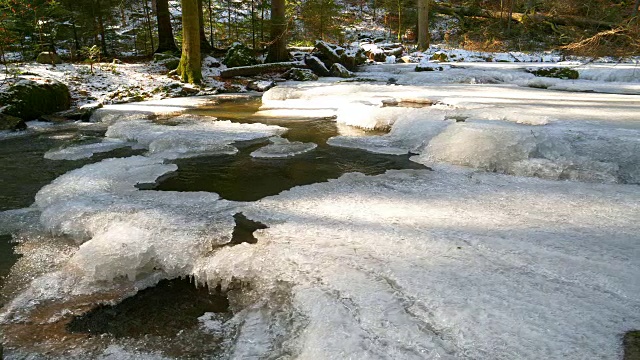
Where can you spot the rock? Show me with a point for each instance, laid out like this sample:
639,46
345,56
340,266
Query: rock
159,57
429,66
116,61
340,71
82,113
440,56
239,55
555,72
188,90
171,64
261,85
31,97
316,65
47,57
300,75
8,122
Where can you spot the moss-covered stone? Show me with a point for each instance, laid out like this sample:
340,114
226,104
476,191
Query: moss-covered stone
8,122
31,97
555,72
160,57
440,56
47,57
172,64
300,75
239,55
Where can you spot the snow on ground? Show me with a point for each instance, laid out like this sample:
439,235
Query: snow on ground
114,83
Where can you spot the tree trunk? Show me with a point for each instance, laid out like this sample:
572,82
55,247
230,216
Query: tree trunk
423,25
190,68
205,47
165,31
278,42
399,21
147,13
103,40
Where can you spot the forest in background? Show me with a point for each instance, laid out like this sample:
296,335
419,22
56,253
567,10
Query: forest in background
129,28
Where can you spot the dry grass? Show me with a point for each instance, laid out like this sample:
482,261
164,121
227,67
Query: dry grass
622,42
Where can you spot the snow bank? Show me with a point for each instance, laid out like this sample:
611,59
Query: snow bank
282,148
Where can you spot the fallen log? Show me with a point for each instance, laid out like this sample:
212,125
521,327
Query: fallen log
520,17
260,69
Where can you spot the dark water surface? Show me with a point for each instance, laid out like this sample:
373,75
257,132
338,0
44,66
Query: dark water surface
243,178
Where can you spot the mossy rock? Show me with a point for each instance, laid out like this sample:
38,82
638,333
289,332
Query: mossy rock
300,75
555,72
31,97
47,57
160,57
440,56
8,122
171,64
239,55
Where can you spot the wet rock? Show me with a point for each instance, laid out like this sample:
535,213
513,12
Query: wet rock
47,57
316,65
300,75
340,71
8,122
31,97
239,55
555,72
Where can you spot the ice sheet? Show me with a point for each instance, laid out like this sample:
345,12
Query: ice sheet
419,264
282,148
85,151
190,136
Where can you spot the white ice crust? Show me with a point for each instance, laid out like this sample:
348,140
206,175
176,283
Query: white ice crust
283,148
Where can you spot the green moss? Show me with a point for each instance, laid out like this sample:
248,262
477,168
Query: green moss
440,56
555,72
8,122
172,64
239,55
188,74
29,99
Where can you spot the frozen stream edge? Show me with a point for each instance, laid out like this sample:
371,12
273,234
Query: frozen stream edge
410,264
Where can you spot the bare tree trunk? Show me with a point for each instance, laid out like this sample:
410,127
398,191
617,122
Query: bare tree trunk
147,14
278,45
423,25
190,68
399,21
253,26
165,31
205,47
229,21
103,40
211,30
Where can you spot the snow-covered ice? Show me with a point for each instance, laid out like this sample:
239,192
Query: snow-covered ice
85,151
282,148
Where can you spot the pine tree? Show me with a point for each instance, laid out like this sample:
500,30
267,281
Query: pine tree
423,25
278,42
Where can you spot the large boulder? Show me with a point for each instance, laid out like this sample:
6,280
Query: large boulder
239,55
47,57
8,122
31,97
316,65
